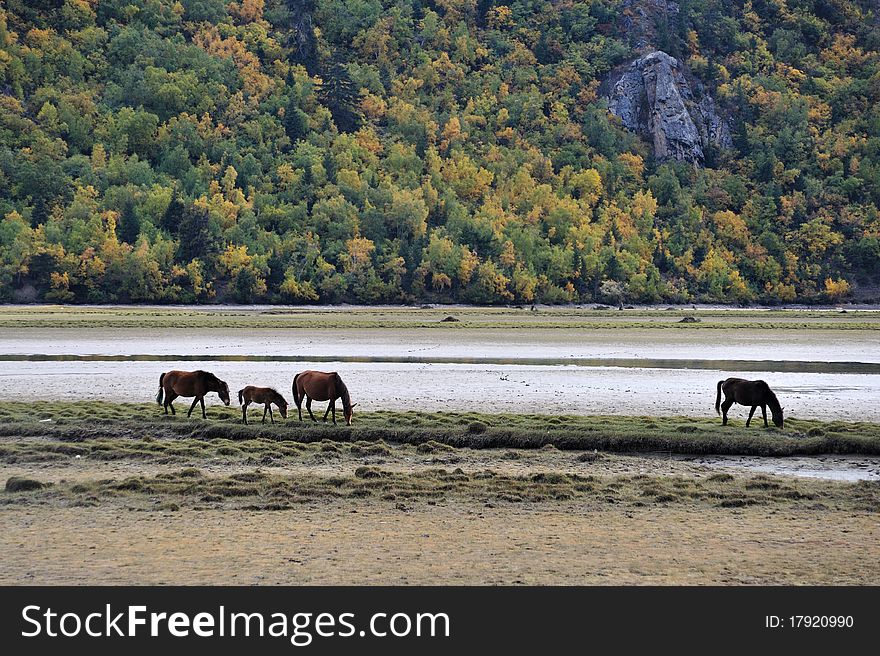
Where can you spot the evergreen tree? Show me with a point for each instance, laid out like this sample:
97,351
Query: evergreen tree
194,233
339,96
302,34
129,223
296,123
173,214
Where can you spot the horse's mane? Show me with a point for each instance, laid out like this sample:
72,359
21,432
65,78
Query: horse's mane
772,401
209,377
277,395
343,392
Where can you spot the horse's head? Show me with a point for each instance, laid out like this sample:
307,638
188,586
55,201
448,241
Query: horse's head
777,417
223,393
282,406
349,412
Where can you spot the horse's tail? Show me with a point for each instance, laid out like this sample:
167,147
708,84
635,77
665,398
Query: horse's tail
718,397
161,390
296,398
240,399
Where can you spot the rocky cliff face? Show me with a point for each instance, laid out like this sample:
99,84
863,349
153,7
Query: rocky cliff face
654,98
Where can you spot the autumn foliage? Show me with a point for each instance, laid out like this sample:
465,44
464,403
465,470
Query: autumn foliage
374,151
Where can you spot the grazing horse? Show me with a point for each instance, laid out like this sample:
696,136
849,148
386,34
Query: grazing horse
748,392
265,395
321,386
190,383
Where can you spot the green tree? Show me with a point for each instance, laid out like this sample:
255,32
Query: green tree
339,95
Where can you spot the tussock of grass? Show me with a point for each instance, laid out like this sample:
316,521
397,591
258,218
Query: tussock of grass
260,490
368,449
22,484
432,446
110,431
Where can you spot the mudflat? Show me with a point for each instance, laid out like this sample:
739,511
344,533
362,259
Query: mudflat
457,542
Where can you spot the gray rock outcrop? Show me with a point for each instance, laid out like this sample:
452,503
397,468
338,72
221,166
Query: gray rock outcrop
654,98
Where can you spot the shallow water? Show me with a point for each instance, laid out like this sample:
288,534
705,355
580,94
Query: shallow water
838,468
563,389
818,374
648,363
746,345
830,375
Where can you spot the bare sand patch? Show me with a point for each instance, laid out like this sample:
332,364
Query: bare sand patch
373,542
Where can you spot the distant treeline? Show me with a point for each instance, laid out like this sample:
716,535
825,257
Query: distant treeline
434,150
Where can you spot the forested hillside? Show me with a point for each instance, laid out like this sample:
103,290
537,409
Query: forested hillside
374,151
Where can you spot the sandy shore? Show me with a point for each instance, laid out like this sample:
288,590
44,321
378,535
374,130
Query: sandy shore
53,538
370,542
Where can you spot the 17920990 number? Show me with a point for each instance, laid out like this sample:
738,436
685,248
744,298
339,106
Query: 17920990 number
821,621
809,622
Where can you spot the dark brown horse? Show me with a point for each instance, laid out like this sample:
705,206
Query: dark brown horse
265,395
190,383
321,386
748,392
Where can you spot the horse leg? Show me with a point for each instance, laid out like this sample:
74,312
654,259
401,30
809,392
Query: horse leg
192,407
724,408
327,412
333,410
202,403
244,408
764,412
169,398
298,400
751,412
309,408
271,416
265,410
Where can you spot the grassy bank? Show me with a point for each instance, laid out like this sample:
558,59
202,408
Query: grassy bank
549,318
130,456
259,490
114,490
119,431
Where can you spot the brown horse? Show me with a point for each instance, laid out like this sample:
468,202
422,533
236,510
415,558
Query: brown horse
748,392
321,386
190,383
265,395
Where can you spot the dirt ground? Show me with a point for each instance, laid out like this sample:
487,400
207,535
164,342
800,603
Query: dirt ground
451,540
374,542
